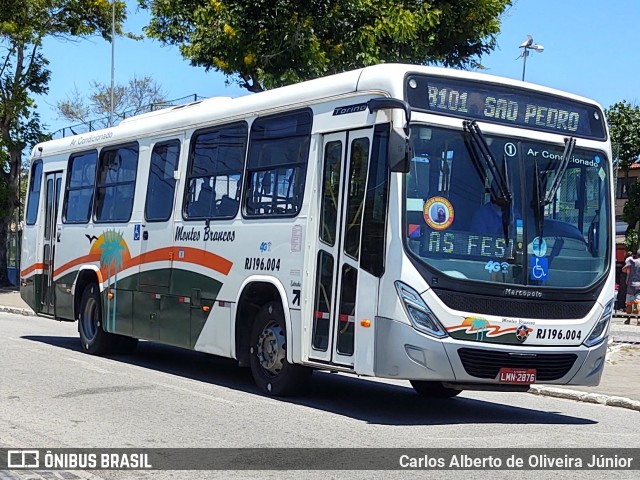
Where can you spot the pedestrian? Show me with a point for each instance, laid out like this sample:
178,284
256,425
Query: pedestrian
632,269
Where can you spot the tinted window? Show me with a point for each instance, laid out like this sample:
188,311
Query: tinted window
215,172
375,211
162,184
34,193
330,191
277,163
116,184
78,198
357,180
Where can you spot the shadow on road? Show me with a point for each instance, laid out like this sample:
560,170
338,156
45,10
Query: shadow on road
362,399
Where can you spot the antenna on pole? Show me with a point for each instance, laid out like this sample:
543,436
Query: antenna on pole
526,46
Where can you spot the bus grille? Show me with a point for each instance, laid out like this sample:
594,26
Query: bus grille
513,307
486,363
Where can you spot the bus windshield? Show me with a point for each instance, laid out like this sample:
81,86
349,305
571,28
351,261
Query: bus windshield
455,224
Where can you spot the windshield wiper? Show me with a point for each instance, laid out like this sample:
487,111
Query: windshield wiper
543,197
484,162
569,144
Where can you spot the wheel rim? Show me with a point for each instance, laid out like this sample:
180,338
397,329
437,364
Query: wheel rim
271,349
90,321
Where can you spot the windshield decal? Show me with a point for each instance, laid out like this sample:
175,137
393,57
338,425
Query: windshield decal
539,268
438,213
539,248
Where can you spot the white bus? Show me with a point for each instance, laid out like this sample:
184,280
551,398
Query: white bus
449,228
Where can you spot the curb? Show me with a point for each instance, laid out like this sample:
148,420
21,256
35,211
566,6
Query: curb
599,398
18,310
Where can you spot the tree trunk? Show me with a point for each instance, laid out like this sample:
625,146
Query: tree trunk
4,230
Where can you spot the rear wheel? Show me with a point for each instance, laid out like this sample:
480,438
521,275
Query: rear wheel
271,371
93,338
433,389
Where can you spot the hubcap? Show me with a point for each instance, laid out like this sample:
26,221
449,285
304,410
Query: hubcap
271,348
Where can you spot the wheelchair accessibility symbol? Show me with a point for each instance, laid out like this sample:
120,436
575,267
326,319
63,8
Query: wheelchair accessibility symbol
539,268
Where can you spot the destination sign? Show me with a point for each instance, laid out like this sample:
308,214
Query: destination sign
506,105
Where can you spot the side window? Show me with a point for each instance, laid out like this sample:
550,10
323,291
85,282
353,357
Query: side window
162,184
215,172
34,192
116,183
277,164
330,191
376,201
78,196
357,180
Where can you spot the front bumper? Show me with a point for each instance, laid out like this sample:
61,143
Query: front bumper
404,353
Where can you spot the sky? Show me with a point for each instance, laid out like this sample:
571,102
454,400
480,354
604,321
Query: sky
590,49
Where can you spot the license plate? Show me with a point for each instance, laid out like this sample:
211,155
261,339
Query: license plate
517,375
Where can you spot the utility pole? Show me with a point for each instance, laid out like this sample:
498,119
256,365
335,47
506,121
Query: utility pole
113,58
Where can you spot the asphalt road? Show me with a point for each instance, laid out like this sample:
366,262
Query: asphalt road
53,396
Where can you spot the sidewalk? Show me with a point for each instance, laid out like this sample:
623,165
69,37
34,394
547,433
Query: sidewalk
619,386
11,302
620,382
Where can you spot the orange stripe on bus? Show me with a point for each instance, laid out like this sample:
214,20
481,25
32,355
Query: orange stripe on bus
92,257
32,268
203,258
181,254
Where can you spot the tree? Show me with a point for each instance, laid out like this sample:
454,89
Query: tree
631,209
269,43
130,99
624,127
24,73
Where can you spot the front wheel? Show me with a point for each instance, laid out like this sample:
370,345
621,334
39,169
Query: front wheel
433,389
271,371
93,338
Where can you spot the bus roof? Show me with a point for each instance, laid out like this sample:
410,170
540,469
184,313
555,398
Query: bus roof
387,78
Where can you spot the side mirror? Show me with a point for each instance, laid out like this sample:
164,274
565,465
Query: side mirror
399,151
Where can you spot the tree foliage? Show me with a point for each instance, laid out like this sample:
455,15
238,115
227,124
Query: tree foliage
24,73
631,241
631,209
269,43
130,99
624,127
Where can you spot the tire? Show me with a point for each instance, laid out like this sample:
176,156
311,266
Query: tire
126,345
93,338
268,354
433,389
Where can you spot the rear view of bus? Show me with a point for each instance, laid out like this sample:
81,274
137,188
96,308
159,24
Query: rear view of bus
504,217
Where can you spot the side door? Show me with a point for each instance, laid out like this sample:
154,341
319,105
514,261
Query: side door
52,185
155,235
342,297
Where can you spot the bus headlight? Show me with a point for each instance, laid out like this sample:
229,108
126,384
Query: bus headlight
601,329
422,318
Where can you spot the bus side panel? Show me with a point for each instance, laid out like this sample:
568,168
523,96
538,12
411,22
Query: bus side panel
212,333
64,298
30,275
146,315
